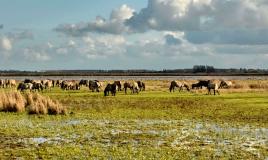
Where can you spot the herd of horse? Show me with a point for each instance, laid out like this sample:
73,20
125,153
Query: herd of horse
95,86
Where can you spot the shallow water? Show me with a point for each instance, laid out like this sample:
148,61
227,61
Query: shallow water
177,134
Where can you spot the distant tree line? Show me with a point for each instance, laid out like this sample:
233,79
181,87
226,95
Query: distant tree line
196,70
203,69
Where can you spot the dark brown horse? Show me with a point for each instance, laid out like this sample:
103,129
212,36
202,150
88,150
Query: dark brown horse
110,88
84,82
202,83
141,85
119,85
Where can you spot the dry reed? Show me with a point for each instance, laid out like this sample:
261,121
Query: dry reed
33,103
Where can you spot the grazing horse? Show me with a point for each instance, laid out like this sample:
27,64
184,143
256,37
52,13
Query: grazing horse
25,86
195,86
94,86
84,83
225,84
214,87
70,85
179,85
110,88
59,82
48,84
133,86
119,85
37,86
28,81
141,85
202,83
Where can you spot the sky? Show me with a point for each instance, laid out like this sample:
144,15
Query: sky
127,34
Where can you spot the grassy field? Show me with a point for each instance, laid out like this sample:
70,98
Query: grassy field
154,124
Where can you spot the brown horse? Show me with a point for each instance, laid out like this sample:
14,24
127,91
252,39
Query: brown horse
141,85
179,85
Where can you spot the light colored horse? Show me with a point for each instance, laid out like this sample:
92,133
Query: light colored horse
133,86
2,83
213,86
10,83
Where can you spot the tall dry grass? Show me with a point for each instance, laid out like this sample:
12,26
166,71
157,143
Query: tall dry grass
38,104
12,102
33,103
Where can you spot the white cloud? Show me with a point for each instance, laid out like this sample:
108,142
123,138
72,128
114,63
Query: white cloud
123,13
206,21
5,44
115,25
187,15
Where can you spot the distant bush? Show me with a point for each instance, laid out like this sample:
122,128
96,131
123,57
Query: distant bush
258,86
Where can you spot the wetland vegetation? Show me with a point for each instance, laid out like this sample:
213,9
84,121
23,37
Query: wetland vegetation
154,124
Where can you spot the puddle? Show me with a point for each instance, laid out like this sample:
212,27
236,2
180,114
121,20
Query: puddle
39,140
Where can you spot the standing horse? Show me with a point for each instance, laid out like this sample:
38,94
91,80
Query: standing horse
2,83
214,87
10,83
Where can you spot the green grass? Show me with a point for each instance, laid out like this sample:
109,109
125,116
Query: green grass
150,125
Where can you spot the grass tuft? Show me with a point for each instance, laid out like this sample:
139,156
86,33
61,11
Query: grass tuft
12,102
38,104
33,103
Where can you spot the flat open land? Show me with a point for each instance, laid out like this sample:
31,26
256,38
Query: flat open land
155,124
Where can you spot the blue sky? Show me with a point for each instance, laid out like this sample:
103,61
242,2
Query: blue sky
127,34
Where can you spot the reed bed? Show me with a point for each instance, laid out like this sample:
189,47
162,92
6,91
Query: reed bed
33,103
